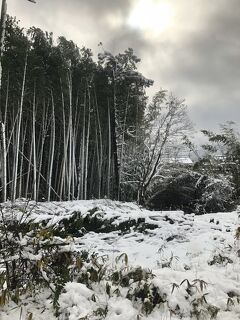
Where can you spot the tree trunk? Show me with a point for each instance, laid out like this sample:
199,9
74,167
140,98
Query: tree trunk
34,146
3,122
109,151
114,145
52,151
14,188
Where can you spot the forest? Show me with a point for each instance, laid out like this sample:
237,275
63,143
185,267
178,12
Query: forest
76,128
157,238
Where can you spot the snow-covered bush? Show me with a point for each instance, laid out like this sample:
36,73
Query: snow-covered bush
192,192
32,257
218,195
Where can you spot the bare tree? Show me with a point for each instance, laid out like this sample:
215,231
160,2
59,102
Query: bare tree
166,121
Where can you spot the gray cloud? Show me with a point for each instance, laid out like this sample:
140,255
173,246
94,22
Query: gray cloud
204,66
124,40
87,22
197,58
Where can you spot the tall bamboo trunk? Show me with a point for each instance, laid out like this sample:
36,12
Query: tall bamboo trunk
109,151
29,170
14,188
82,152
22,151
122,147
3,122
100,148
70,134
114,144
62,191
52,151
41,146
34,146
87,147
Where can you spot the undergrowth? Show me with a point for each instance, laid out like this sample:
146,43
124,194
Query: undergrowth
33,257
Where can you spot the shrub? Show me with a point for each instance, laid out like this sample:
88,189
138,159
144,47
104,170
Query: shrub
192,192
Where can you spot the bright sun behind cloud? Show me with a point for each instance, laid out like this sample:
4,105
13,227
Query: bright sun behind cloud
151,16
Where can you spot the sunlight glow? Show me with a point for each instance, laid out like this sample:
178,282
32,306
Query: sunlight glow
152,16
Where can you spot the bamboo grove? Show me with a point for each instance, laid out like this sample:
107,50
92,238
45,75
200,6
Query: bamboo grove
65,118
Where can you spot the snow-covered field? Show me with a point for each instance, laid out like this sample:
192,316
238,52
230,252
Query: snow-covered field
195,261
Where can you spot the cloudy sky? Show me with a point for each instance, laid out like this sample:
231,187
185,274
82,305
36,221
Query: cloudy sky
191,48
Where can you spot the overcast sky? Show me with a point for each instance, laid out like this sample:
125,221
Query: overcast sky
191,48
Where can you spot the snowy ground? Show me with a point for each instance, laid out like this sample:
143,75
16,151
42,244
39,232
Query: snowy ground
179,247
